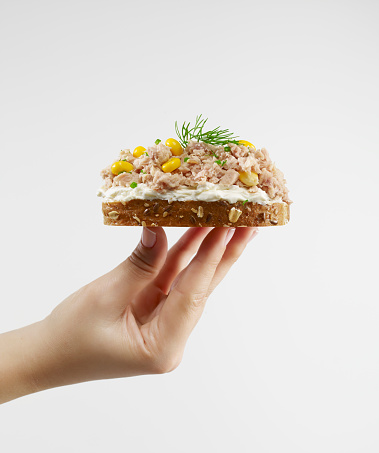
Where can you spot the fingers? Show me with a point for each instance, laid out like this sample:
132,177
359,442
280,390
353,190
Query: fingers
179,255
186,300
236,246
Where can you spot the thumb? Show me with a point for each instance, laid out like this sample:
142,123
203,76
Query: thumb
143,265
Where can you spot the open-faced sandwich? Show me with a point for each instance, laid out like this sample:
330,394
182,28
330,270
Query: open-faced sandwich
203,178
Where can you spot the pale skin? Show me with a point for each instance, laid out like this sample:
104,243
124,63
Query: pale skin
134,320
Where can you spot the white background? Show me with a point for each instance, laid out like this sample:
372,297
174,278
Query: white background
286,356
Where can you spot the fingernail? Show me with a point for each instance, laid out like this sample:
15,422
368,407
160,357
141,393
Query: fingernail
253,234
149,238
229,236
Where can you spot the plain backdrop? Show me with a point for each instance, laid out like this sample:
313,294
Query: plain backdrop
286,356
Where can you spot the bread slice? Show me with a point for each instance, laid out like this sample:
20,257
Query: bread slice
194,213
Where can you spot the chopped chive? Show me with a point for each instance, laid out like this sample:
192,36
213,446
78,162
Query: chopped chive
227,149
133,185
186,158
245,202
143,172
146,154
157,141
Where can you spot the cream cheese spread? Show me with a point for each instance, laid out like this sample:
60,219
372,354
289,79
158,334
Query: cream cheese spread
203,192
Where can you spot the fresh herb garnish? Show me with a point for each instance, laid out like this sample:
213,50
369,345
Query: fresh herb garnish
146,154
143,172
186,158
121,172
245,202
218,162
157,141
133,185
216,136
227,149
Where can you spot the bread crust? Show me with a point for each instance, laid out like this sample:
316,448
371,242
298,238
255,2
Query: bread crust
194,213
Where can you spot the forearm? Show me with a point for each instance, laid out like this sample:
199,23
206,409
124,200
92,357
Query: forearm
26,361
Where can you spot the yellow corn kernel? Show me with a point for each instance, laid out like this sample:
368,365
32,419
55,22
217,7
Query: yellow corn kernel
171,165
120,166
249,178
176,147
139,151
246,143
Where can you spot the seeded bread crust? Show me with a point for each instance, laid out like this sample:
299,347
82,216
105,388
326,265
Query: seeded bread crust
194,214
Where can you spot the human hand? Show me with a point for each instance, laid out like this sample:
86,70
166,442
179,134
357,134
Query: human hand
137,318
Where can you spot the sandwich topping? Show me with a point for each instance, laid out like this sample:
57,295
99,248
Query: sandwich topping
201,165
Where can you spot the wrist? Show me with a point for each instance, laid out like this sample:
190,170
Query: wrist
41,358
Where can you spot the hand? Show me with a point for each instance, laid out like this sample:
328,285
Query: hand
137,318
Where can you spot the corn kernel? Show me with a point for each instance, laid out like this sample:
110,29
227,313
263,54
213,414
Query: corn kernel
139,151
120,166
171,165
175,146
246,143
249,178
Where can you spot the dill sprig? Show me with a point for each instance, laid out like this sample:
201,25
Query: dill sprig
216,136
